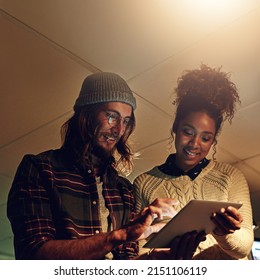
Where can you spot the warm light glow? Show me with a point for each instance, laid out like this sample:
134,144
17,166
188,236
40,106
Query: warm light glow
204,14
212,6
210,9
213,9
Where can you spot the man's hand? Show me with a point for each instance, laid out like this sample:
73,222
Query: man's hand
141,226
165,206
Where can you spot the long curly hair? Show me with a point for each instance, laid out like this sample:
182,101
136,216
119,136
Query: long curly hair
78,138
209,90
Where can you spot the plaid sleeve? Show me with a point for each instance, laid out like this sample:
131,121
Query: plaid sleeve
128,250
28,210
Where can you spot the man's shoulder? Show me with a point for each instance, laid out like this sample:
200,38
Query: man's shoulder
123,181
55,158
44,156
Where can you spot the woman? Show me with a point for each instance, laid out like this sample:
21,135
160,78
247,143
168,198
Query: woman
205,99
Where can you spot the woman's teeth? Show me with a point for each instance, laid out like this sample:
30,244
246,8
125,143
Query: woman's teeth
190,153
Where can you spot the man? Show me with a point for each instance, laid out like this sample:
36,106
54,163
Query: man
70,203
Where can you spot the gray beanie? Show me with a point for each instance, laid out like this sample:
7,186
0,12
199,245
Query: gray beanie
104,87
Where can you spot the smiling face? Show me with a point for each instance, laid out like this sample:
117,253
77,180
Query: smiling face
194,137
112,120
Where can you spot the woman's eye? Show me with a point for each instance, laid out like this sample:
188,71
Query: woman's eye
188,132
206,138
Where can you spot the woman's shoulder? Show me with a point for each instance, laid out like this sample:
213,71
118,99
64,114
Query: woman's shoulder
224,168
150,179
153,172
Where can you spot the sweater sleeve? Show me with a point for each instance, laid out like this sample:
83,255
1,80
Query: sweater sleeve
141,199
239,244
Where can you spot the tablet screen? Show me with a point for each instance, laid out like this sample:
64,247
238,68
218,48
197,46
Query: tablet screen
194,216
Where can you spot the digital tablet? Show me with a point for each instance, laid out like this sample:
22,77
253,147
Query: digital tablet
194,216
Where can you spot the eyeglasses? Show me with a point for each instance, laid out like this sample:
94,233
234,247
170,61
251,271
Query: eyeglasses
114,119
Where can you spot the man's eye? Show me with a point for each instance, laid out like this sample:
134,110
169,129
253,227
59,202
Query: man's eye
110,119
127,121
112,116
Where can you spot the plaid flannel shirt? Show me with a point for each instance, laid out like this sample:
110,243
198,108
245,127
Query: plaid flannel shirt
53,199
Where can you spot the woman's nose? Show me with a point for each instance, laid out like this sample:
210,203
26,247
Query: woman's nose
194,141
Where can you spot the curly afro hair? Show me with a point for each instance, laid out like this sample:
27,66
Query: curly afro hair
206,89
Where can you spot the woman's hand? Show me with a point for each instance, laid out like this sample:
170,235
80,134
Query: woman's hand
182,247
227,220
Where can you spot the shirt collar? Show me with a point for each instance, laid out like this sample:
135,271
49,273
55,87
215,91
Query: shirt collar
170,167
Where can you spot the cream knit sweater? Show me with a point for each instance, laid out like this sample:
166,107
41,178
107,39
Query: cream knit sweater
217,181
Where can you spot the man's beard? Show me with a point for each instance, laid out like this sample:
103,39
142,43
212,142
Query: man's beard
102,153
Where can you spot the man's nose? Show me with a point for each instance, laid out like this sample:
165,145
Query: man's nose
119,128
